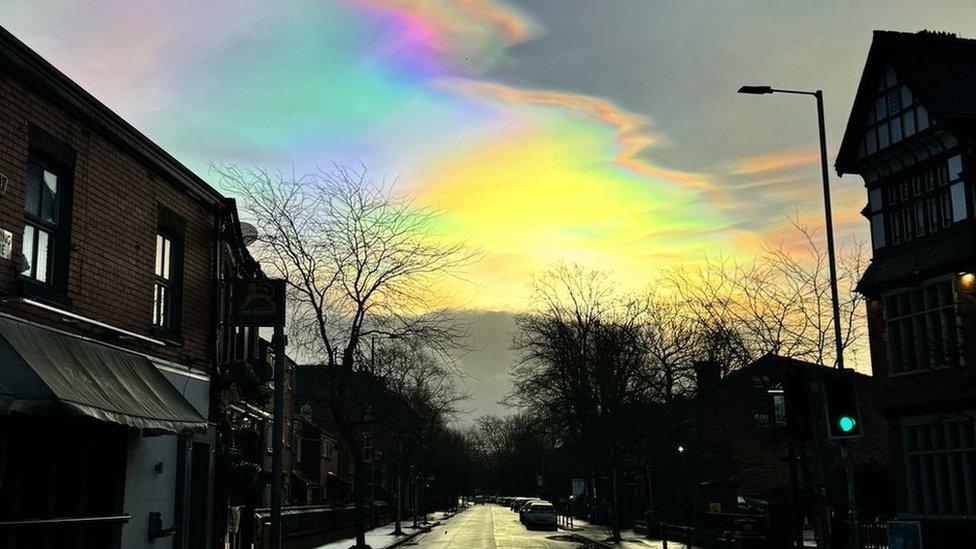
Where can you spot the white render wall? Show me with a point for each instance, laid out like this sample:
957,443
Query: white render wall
148,491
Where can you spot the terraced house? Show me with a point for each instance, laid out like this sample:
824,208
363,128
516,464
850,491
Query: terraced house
112,262
912,138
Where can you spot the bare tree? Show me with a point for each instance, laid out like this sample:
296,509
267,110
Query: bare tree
778,302
582,362
360,263
672,340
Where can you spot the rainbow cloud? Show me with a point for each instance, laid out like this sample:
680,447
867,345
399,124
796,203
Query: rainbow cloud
632,134
775,162
465,36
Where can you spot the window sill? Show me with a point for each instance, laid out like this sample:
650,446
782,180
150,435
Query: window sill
174,339
45,294
920,371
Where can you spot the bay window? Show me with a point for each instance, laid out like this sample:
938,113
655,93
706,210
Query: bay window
921,327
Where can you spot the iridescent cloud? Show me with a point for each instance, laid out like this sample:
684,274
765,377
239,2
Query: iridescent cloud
527,175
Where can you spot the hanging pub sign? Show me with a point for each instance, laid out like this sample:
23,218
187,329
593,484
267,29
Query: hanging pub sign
257,303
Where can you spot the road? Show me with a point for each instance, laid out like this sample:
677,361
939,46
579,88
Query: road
491,527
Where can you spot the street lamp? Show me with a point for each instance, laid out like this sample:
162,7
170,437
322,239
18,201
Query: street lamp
835,300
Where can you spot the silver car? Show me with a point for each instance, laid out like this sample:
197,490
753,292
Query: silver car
539,513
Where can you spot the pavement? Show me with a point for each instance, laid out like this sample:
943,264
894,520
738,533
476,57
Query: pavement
491,526
382,538
600,535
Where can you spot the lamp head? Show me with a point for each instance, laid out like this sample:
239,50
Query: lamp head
756,90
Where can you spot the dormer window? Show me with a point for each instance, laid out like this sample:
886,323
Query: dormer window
896,115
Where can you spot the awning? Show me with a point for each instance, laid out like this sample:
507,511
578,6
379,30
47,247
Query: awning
43,371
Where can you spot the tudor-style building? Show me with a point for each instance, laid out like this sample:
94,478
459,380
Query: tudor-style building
911,137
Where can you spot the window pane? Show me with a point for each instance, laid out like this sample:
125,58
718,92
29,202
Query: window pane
959,201
32,192
896,130
906,96
159,255
27,251
908,123
167,252
156,304
946,208
955,167
880,109
908,222
161,304
923,117
49,198
895,227
894,101
874,199
890,79
877,231
882,135
43,253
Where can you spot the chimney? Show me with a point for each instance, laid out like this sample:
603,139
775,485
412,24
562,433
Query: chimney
707,374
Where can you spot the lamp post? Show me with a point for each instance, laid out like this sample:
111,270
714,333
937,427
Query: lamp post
832,262
831,258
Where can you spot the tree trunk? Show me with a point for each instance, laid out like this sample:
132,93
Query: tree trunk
359,491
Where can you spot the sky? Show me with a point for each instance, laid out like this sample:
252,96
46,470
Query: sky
601,132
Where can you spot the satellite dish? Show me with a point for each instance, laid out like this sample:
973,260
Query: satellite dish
249,233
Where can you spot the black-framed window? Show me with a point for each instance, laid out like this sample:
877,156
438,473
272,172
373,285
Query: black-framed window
940,459
894,114
921,327
918,202
166,282
43,246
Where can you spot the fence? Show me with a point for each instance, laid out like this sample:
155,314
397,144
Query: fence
311,525
873,535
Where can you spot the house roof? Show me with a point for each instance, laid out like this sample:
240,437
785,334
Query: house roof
939,68
771,364
40,75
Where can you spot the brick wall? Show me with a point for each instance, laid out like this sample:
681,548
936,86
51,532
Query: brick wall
114,217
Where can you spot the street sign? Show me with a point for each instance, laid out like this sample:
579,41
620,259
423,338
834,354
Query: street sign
257,303
904,534
6,244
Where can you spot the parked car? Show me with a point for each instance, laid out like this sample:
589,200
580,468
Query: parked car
539,513
479,500
517,503
525,505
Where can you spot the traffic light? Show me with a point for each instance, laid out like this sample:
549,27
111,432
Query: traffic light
840,406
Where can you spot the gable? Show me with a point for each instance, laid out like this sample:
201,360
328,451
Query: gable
891,114
940,72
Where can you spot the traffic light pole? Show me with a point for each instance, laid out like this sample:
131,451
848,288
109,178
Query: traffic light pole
845,450
848,458
277,432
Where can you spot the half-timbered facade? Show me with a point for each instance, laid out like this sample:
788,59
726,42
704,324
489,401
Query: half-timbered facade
911,137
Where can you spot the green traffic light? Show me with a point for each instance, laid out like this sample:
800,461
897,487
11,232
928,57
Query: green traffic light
846,423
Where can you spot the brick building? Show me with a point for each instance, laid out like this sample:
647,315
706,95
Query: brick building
910,137
111,260
726,435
